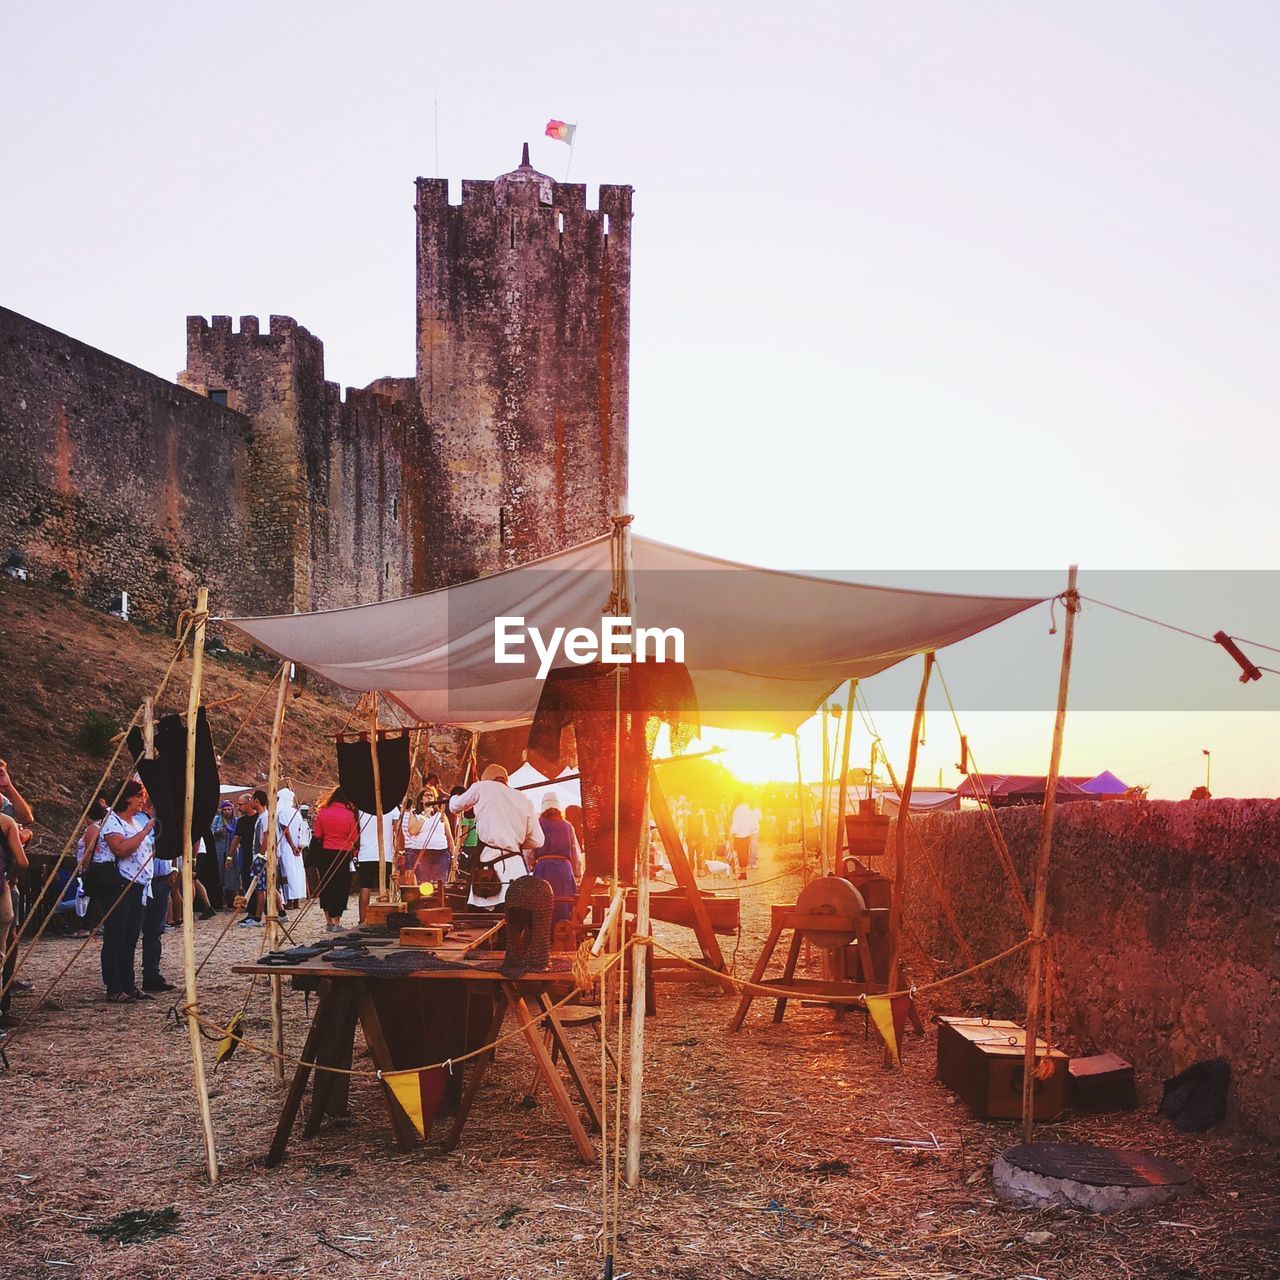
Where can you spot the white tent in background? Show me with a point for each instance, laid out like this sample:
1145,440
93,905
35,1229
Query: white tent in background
763,648
536,785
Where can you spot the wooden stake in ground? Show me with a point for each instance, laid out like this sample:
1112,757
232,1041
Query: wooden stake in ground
188,884
900,828
383,896
1072,602
273,875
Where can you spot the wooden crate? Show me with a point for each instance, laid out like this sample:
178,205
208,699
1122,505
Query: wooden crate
983,1062
423,936
377,913
1104,1082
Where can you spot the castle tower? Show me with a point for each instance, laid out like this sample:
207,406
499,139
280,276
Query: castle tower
523,339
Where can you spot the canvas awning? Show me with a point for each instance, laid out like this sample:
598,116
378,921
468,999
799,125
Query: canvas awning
1018,786
763,647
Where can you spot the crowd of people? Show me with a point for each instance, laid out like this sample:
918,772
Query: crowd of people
119,892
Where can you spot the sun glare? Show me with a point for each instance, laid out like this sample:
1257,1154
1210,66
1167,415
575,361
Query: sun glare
755,758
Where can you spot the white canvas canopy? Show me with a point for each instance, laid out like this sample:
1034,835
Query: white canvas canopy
565,786
763,647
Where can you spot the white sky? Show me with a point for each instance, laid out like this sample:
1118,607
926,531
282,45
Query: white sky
923,285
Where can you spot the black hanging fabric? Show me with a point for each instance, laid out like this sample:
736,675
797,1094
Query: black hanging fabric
165,778
589,697
355,770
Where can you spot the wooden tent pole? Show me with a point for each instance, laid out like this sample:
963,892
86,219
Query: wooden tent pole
844,775
188,885
1072,602
639,1001
900,829
824,812
383,896
804,838
273,874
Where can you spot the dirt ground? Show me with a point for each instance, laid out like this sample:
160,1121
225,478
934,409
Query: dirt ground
65,665
767,1155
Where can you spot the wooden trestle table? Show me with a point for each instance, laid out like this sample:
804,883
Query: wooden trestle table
424,1017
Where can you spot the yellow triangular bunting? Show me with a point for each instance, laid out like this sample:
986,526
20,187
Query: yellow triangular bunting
227,1045
406,1089
881,1010
417,1094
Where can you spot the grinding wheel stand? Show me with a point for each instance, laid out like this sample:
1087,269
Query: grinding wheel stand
833,915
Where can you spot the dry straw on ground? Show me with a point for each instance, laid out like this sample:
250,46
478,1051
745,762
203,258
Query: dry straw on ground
784,1151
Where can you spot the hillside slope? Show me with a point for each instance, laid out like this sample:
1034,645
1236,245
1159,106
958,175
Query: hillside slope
67,671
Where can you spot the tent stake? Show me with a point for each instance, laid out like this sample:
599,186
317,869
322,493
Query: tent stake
273,875
1036,950
188,884
900,829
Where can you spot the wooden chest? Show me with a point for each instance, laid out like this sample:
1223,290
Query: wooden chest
423,936
1104,1082
983,1062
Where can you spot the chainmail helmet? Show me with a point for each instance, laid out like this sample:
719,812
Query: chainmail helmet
529,904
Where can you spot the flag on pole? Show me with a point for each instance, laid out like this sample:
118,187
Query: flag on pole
890,1017
560,131
417,1094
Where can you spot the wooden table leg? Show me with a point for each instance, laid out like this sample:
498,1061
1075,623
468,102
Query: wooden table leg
788,972
479,1071
559,1094
329,1053
298,1085
340,1095
762,964
560,1043
401,1128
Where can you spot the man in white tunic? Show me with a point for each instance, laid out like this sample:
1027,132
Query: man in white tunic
506,825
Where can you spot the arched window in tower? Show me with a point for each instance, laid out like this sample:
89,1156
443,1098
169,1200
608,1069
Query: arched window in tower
513,230
605,223
560,227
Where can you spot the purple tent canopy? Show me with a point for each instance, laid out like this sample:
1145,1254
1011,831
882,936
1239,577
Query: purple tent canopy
1105,784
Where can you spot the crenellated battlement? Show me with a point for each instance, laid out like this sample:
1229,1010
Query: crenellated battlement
280,328
433,196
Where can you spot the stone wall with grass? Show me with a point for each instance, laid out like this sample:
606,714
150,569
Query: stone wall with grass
1167,916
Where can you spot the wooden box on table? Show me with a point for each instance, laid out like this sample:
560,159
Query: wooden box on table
982,1061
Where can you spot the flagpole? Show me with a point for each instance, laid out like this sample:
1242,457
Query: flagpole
573,141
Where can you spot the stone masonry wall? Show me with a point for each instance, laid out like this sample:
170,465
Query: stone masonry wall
523,341
116,479
1168,920
328,520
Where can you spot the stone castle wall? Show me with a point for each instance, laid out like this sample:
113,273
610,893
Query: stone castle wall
523,338
115,479
329,519
290,496
261,479
1168,921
